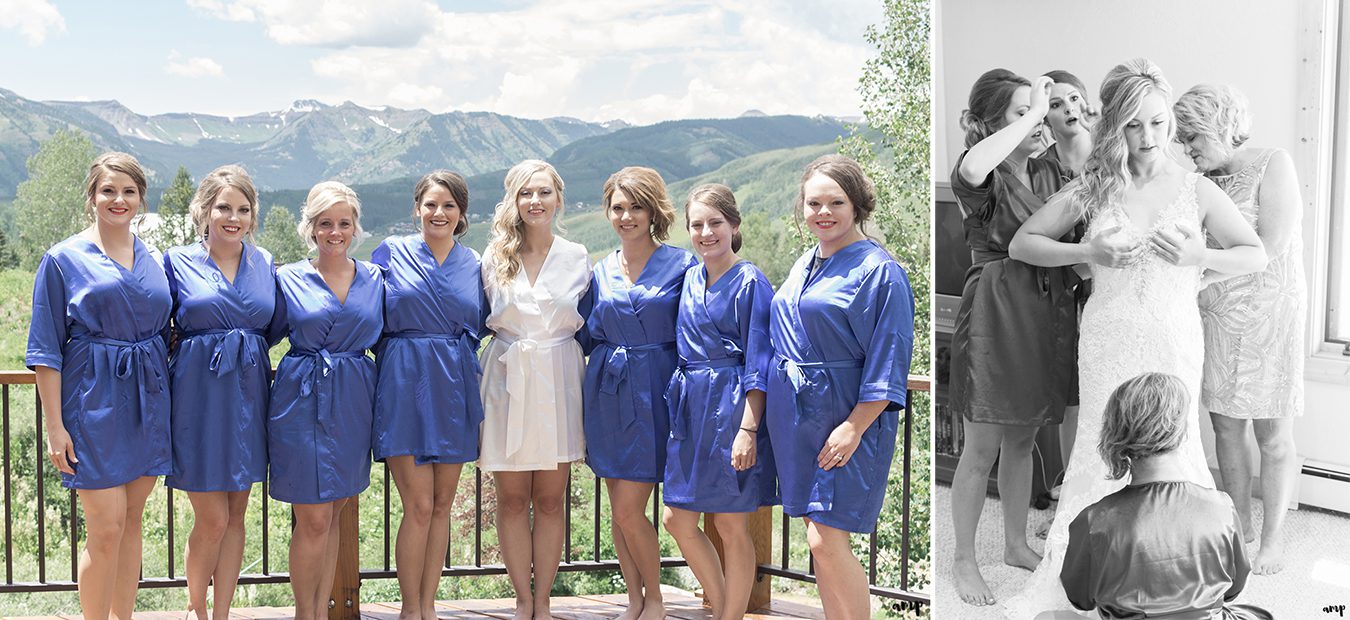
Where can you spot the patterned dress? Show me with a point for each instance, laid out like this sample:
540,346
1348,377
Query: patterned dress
1254,323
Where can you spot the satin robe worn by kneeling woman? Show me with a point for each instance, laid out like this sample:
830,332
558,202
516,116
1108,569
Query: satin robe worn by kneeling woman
102,327
722,334
318,428
427,403
220,371
630,337
842,333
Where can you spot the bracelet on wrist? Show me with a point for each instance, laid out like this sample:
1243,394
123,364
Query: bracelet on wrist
750,430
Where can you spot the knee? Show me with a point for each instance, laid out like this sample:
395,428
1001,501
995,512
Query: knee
981,457
1275,445
513,505
731,526
1016,444
104,534
418,509
548,505
826,548
442,504
1227,429
212,526
627,519
679,526
313,525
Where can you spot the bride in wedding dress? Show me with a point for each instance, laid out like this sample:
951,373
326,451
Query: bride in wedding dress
1147,220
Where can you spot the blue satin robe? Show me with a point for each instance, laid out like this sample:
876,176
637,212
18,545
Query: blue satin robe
722,335
841,336
630,338
219,371
426,399
318,426
103,327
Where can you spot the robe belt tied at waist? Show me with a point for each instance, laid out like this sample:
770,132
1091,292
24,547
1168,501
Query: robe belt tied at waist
323,365
676,391
616,370
793,369
230,353
129,357
522,378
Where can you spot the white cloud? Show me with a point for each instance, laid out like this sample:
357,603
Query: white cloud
34,19
639,60
374,23
192,67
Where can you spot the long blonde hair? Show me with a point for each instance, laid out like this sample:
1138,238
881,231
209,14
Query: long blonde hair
508,230
1106,172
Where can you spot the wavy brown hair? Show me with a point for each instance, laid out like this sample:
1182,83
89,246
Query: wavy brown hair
646,188
453,183
719,197
106,164
1145,416
228,176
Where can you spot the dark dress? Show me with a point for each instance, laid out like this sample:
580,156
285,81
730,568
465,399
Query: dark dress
1013,351
1159,550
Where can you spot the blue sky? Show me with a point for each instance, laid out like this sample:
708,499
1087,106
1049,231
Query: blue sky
639,60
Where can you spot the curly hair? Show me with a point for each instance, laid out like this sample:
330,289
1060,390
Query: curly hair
988,104
1218,112
1106,172
228,176
1145,416
508,230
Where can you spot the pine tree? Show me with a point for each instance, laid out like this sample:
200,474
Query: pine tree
49,206
280,238
175,222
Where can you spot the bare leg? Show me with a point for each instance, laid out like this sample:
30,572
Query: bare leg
513,532
1014,490
105,513
632,579
309,544
210,517
1235,468
734,528
700,553
416,489
226,575
129,555
969,488
547,493
330,557
842,582
1279,467
438,537
628,500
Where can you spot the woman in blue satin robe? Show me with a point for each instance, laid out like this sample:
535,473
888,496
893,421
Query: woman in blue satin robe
717,461
96,341
224,295
630,338
842,327
319,423
427,406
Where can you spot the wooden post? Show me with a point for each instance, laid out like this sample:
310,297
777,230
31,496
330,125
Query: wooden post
761,534
346,595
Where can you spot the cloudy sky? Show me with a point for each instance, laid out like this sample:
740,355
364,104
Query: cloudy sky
638,60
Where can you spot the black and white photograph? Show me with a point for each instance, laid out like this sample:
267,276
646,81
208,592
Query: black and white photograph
1140,277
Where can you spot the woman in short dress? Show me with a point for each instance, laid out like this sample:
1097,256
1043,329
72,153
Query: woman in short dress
630,337
1254,348
319,423
224,297
532,369
427,407
842,329
101,307
1012,367
718,462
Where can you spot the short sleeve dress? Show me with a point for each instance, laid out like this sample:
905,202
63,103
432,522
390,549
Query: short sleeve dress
1013,351
1254,323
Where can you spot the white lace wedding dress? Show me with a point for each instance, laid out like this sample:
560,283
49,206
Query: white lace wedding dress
1140,318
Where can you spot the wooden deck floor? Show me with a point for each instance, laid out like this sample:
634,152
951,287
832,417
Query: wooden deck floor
679,605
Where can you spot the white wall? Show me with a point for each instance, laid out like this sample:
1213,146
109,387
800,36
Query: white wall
1262,47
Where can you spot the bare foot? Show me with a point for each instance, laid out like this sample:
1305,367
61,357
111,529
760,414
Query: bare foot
970,583
653,610
633,612
194,615
1248,532
1021,557
542,613
1270,557
524,610
429,613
